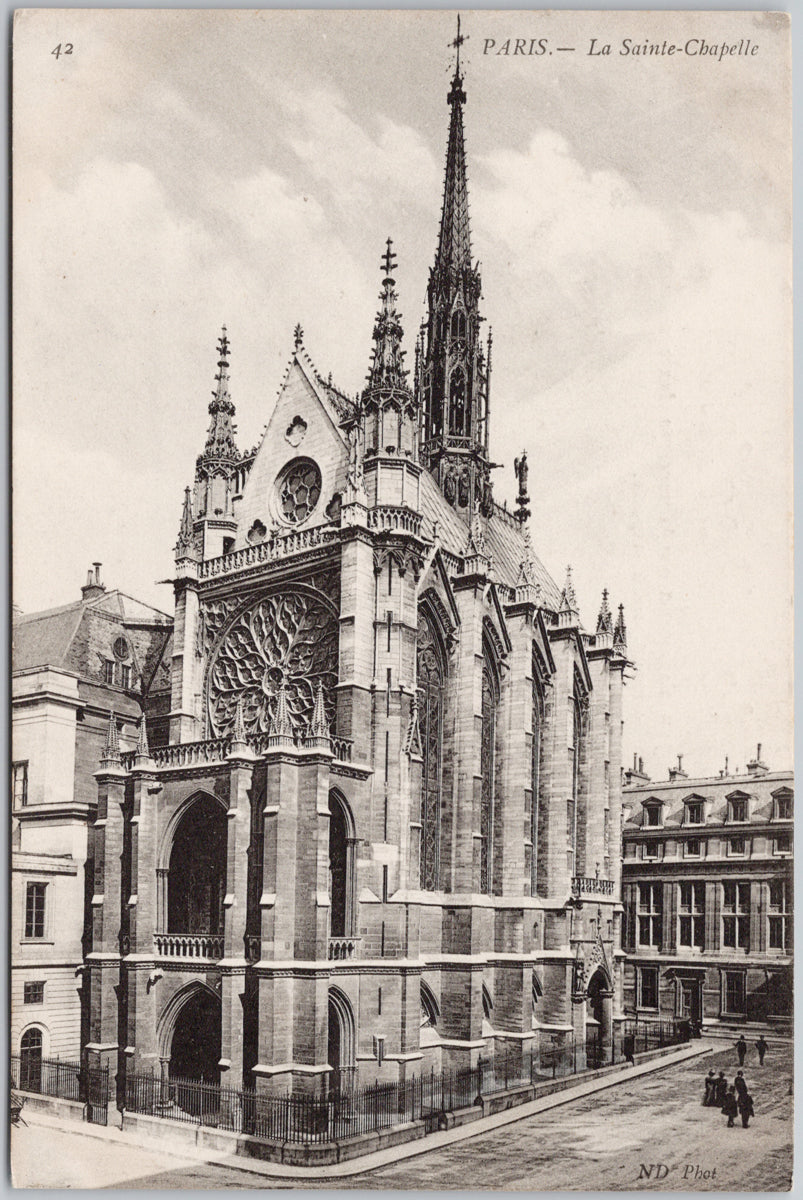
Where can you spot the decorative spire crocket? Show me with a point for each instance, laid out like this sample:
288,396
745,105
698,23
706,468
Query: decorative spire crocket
605,618
620,632
388,407
453,370
220,439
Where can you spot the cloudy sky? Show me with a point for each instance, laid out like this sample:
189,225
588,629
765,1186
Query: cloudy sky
182,169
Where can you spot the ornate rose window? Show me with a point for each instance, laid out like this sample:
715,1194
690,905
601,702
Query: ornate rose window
298,490
291,639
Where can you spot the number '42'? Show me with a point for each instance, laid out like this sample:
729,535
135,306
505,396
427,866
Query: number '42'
65,49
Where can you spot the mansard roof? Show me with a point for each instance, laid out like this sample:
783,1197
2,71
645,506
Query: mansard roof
50,638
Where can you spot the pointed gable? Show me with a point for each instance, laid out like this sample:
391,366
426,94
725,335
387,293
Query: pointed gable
303,432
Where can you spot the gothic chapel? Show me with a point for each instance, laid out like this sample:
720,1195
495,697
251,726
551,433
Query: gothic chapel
383,834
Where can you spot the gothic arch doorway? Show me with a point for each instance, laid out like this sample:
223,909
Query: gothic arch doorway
196,1039
197,869
600,1007
341,1041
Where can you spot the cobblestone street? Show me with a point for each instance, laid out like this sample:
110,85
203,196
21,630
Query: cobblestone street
598,1143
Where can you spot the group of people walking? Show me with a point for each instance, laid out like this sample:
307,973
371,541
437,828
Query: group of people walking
733,1099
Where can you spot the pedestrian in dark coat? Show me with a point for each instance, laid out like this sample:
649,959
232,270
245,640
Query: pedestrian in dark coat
741,1049
762,1046
710,1089
745,1106
740,1083
731,1105
721,1089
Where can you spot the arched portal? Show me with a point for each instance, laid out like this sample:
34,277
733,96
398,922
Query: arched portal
600,1005
341,866
341,1041
195,1044
197,876
31,1060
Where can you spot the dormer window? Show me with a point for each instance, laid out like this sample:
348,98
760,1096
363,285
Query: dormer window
653,813
694,812
782,804
737,807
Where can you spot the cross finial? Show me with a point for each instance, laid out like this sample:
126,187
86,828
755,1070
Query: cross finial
298,336
457,43
388,259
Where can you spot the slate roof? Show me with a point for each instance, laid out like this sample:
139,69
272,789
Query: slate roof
504,540
45,638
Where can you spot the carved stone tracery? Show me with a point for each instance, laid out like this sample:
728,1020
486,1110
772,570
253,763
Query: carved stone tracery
286,639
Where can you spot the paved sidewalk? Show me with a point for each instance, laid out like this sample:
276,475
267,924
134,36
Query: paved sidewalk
162,1155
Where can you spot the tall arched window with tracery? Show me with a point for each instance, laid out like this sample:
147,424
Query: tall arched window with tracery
579,711
487,771
535,772
431,676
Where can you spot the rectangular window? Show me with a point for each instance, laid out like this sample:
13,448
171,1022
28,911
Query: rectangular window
33,993
694,812
783,808
650,913
648,987
691,921
35,910
736,915
783,844
738,810
734,992
691,847
125,675
19,783
778,931
736,845
653,814
108,670
651,850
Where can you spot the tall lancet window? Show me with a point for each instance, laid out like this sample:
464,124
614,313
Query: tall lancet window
458,424
431,675
535,773
579,707
487,770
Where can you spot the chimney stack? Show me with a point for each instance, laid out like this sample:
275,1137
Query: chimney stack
636,774
756,766
678,772
93,587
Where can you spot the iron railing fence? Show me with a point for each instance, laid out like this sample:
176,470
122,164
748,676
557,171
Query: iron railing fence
62,1078
348,1110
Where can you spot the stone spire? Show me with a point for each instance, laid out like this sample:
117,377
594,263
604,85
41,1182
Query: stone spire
453,373
281,728
387,367
605,619
185,546
143,753
620,632
388,409
111,748
568,612
318,733
454,239
220,439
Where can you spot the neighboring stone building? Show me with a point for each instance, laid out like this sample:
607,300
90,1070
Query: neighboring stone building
71,668
707,889
385,834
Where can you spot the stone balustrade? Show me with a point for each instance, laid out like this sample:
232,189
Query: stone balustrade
215,750
391,518
341,949
280,546
590,885
197,946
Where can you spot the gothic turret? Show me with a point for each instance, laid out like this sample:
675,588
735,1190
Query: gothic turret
388,404
453,365
218,468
